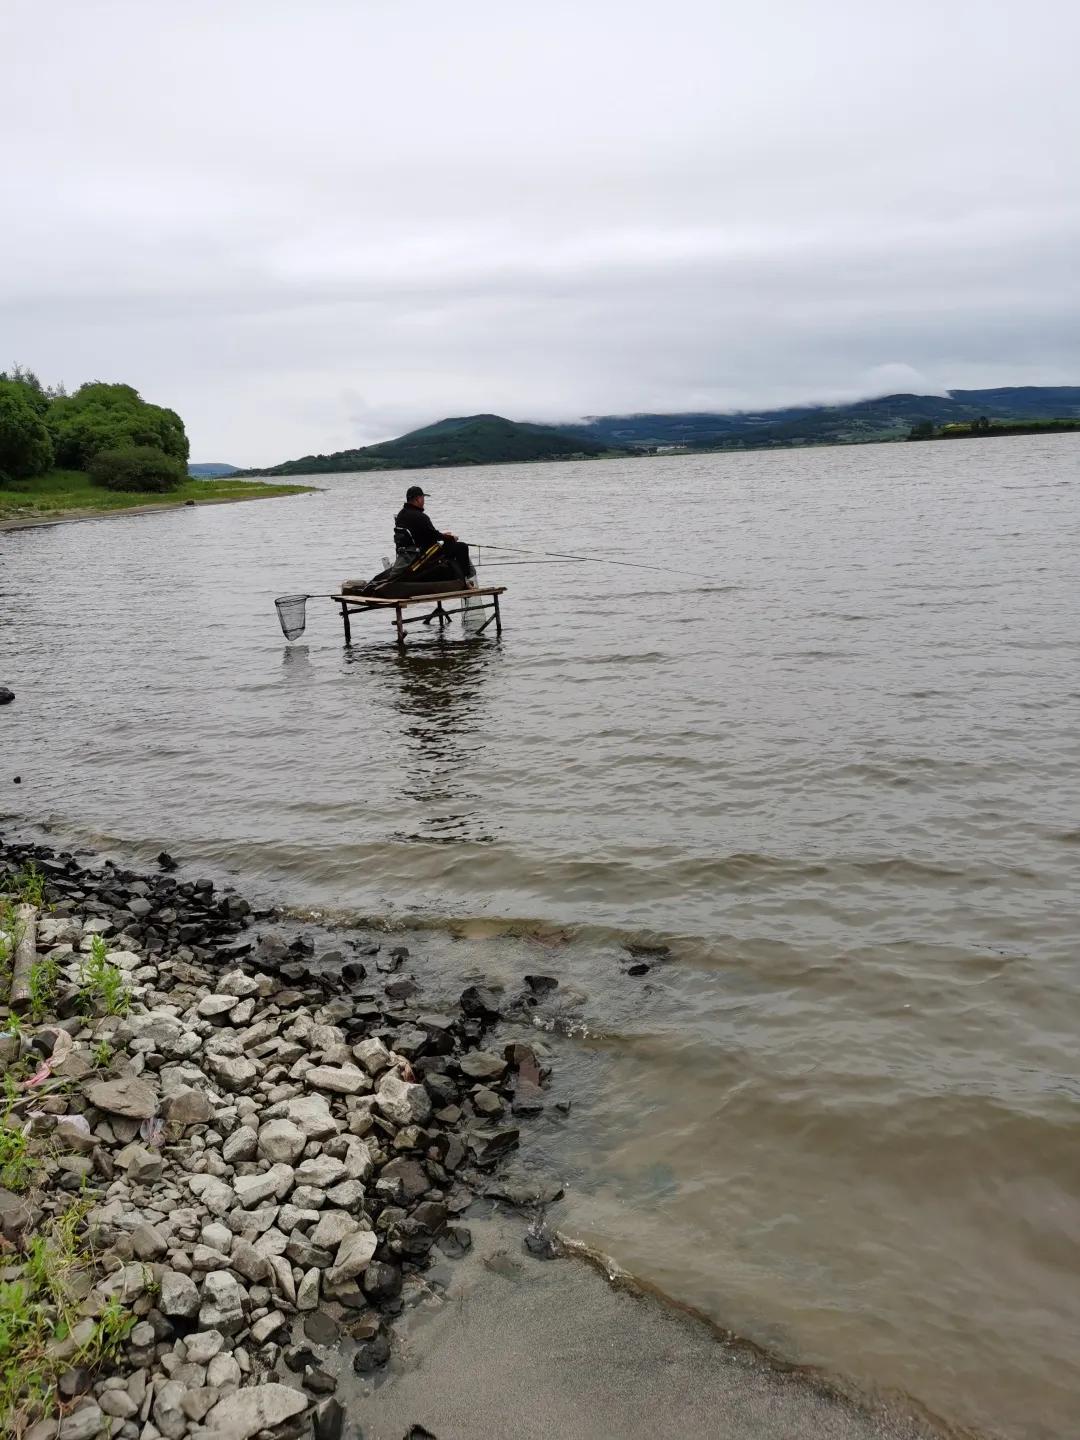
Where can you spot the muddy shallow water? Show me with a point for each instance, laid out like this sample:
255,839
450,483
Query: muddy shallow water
829,759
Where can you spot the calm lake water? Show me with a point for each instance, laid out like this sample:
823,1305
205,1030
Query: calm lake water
830,758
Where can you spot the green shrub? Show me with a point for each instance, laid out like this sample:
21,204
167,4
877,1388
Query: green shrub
109,417
137,467
25,447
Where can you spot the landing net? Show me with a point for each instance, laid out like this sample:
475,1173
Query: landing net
292,613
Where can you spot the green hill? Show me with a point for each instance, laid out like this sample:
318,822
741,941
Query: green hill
466,440
887,417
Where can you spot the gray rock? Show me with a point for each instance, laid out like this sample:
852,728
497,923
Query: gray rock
196,1403
267,1326
249,1262
258,1407
145,1166
148,1243
482,1065
252,1190
131,1098
348,1195
402,1102
179,1297
282,1140
222,1303
82,1424
204,1345
342,1080
242,1144
168,1414
215,1195
403,1179
353,1257
187,1108
223,1370
119,1404
235,1075
307,1292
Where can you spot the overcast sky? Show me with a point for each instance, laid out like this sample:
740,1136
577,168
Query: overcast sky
312,224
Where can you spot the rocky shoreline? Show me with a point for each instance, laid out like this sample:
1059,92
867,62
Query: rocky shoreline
226,1162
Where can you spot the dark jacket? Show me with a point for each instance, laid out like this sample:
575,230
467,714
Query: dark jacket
413,530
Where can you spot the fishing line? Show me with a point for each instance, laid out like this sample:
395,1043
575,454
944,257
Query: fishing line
592,559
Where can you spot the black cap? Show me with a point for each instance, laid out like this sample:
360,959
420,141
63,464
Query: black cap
413,491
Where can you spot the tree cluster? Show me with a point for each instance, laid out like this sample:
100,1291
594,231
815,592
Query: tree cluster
108,430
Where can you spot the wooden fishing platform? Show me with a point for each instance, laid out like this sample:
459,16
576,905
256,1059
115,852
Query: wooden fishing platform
360,604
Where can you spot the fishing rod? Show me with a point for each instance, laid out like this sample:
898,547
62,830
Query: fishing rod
591,559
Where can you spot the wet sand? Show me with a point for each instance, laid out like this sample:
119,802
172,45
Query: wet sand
551,1350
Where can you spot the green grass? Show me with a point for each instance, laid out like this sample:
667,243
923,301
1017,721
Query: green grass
61,493
101,982
38,1305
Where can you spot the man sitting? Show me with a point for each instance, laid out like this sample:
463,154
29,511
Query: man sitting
414,534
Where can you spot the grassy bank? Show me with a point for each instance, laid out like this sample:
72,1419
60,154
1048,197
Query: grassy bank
63,494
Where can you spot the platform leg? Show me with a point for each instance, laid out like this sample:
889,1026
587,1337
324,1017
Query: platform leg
400,623
498,617
345,622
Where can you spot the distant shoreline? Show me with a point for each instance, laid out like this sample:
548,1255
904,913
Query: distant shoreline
166,503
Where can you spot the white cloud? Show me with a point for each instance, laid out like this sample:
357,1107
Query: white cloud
310,227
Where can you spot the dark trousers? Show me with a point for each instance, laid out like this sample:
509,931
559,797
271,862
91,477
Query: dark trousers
451,563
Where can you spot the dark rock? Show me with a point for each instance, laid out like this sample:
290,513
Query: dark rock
381,1281
234,907
75,1381
455,1241
541,984
418,1432
640,968
140,907
400,952
488,1145
299,1357
329,1420
431,1215
403,989
541,1241
166,861
320,1329
387,964
353,972
372,1354
319,1382
6,695
648,952
480,1004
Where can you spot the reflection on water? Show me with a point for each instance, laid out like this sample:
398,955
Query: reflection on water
434,698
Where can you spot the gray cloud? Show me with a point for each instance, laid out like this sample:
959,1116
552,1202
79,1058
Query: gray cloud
312,226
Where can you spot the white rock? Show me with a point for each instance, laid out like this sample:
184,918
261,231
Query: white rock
223,1370
341,1079
211,1006
321,1171
282,1140
232,1074
373,1055
238,984
222,1303
402,1102
242,1144
333,1227
312,1114
358,1162
255,1408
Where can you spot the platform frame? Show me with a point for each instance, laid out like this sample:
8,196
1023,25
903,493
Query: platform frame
361,604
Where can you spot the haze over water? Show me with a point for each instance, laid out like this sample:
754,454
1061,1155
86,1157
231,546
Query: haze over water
830,758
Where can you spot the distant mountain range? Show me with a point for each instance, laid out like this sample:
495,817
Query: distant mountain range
491,439
210,470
